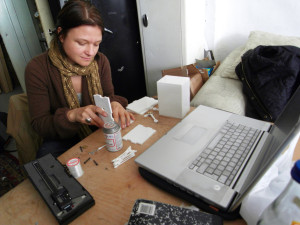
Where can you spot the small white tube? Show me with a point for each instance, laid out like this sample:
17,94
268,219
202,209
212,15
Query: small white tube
74,167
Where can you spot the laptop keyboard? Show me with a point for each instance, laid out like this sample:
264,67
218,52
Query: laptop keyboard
223,157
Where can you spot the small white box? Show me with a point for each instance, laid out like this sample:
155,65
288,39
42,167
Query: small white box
173,96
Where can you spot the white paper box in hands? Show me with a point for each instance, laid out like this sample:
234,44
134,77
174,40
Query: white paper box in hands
104,103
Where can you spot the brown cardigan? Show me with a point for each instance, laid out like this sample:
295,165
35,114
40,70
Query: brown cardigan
47,105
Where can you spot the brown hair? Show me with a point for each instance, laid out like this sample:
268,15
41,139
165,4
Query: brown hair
76,13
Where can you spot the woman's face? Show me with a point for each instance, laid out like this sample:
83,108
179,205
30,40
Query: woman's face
81,44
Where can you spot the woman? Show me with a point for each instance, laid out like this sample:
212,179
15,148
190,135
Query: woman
61,82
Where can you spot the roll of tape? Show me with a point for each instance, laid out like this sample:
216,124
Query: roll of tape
74,167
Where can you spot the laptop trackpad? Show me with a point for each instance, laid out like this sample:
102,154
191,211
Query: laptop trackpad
190,133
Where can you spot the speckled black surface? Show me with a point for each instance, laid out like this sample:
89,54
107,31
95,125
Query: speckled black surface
169,214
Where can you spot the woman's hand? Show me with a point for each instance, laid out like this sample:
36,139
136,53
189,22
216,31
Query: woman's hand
119,113
83,113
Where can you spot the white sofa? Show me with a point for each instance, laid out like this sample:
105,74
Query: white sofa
223,90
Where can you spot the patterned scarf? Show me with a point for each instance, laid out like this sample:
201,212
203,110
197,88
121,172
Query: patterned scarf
67,70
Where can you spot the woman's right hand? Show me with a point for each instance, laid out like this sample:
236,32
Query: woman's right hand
83,113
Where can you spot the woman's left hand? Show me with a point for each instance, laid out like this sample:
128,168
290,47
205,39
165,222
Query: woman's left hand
119,113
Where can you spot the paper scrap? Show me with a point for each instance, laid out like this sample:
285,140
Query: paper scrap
139,134
142,105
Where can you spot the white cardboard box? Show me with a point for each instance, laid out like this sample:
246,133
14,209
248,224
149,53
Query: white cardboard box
173,96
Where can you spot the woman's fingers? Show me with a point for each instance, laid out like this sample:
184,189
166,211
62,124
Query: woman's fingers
120,114
89,115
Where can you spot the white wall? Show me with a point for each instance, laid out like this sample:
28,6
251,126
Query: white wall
229,22
193,21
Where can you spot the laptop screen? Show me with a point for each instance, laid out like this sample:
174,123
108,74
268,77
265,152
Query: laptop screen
285,128
287,119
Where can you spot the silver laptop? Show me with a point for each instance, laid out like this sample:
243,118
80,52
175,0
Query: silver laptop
219,156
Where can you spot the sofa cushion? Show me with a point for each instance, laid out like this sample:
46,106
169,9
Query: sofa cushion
257,38
221,93
223,70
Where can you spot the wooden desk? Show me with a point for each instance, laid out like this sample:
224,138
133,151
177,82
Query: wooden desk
114,190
